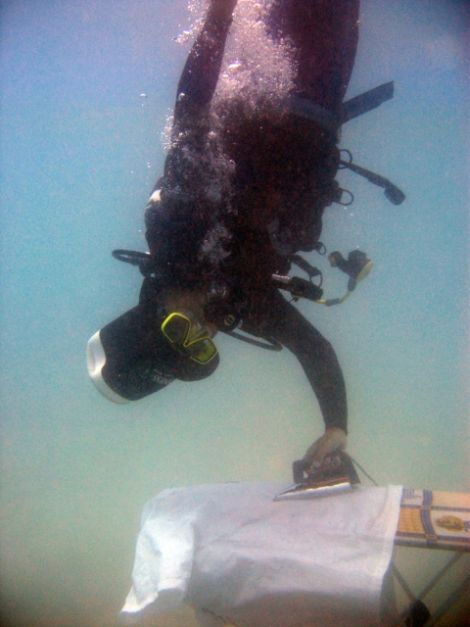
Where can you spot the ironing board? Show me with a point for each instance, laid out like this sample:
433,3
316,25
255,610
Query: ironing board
432,519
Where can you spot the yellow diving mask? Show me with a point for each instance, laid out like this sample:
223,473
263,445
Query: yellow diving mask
189,337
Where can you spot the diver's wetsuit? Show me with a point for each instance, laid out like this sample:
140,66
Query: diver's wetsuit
184,217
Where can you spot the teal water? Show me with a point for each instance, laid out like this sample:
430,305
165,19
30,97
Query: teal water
80,148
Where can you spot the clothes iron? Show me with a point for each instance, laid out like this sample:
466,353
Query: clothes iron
337,474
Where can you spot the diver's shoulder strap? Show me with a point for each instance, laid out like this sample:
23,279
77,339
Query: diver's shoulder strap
352,108
367,101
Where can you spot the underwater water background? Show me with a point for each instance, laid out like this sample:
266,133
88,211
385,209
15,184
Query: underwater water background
86,88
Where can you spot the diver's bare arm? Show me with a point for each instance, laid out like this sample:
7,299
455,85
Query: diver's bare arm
333,439
201,71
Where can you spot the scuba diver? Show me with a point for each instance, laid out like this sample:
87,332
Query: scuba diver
236,203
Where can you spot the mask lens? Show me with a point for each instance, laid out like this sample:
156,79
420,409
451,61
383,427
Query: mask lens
202,350
176,328
188,337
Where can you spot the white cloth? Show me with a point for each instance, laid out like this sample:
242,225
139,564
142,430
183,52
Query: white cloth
231,550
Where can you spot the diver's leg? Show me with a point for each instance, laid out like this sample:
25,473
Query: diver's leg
194,93
201,71
324,34
277,318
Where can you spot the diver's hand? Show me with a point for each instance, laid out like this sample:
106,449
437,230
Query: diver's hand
222,9
333,439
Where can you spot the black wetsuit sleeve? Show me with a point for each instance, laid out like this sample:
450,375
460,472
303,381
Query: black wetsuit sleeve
285,323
